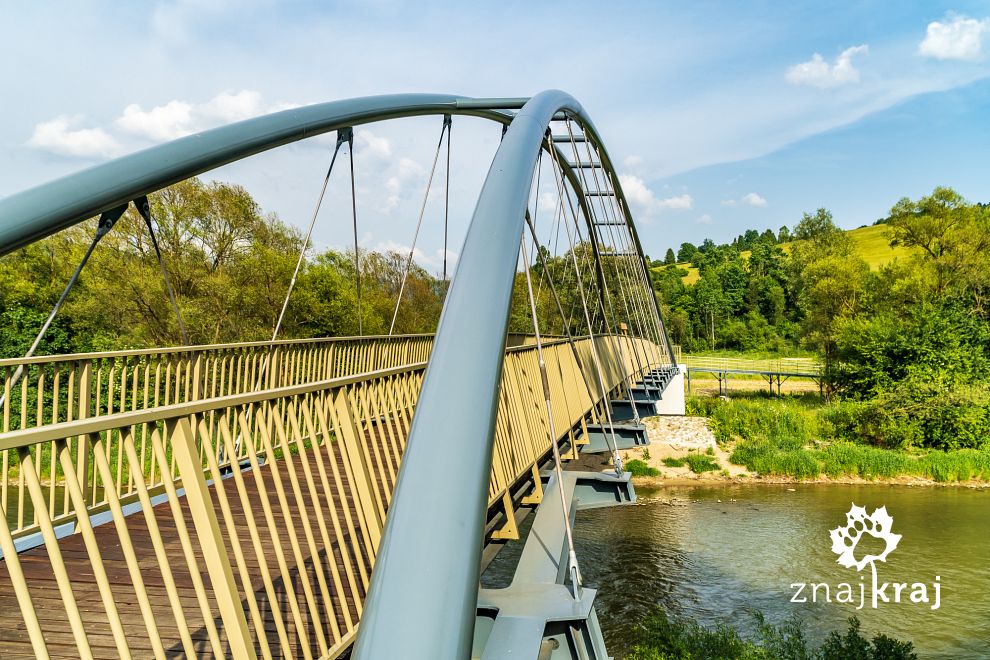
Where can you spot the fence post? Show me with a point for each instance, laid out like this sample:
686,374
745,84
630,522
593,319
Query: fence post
204,517
82,442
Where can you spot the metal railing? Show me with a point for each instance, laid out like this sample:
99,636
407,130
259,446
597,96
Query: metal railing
62,388
794,367
260,512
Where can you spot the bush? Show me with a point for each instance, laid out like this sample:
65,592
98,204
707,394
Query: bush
640,469
701,463
854,645
916,414
666,638
670,461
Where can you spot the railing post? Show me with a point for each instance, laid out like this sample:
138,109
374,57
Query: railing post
82,442
204,517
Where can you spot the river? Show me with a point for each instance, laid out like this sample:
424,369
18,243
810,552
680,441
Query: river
716,553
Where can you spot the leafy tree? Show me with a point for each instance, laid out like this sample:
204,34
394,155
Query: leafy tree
953,236
686,253
669,258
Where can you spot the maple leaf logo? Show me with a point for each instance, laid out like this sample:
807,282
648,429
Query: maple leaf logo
877,525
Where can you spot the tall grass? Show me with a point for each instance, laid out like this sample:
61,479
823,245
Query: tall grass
787,437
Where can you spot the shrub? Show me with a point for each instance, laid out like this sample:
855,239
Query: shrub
640,469
670,461
701,463
916,413
666,638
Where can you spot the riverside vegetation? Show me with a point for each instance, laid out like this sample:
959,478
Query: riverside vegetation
798,436
667,638
905,344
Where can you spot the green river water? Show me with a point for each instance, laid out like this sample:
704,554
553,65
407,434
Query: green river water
716,553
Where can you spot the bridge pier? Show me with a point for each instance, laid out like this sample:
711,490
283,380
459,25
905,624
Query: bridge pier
538,614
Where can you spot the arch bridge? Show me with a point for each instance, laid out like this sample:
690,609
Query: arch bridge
313,498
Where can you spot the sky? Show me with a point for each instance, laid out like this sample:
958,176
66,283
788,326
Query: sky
721,116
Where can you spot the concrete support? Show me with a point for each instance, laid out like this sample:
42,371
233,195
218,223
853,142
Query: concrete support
672,402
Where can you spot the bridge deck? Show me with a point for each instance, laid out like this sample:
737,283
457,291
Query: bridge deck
14,640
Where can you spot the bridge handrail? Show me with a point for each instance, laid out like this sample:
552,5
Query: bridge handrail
201,348
798,366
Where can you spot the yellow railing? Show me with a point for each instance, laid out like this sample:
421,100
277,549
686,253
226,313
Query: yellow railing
50,389
260,512
808,367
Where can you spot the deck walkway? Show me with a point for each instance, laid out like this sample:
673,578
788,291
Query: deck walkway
14,640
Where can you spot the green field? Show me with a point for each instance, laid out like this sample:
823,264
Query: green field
872,245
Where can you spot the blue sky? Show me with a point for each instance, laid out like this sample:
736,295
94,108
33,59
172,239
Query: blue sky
722,116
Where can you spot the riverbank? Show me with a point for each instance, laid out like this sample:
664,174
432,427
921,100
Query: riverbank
684,451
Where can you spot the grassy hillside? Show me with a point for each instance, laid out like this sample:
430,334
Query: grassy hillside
872,245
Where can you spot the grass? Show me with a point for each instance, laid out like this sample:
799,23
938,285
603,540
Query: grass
697,462
786,437
640,469
872,244
702,463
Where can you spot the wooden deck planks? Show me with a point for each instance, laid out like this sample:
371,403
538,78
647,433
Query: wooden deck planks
14,640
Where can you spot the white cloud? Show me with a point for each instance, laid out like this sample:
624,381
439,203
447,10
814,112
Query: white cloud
643,200
632,162
636,192
819,73
369,143
678,203
179,118
957,38
704,220
754,200
749,199
164,122
58,136
434,260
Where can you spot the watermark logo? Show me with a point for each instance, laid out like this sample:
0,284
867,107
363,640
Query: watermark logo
845,541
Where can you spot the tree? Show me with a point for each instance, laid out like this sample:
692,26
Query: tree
686,253
784,235
953,236
669,259
818,227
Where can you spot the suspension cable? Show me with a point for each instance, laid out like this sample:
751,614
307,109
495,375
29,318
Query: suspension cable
563,191
106,222
558,471
348,135
309,234
620,340
419,224
144,209
632,312
446,199
595,229
638,267
616,458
